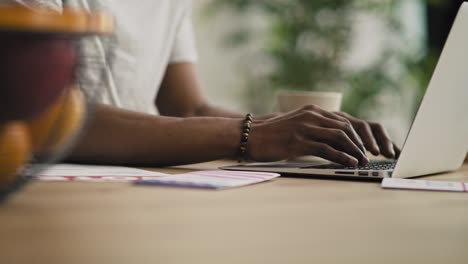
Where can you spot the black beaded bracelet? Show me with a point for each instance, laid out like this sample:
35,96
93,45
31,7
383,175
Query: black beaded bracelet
246,126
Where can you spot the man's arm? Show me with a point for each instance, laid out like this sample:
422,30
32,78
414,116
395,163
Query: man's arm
180,95
121,137
116,136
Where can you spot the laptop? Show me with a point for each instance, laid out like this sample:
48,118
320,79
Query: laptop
438,138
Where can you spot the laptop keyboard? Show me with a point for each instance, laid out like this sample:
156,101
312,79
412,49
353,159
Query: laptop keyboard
376,165
373,165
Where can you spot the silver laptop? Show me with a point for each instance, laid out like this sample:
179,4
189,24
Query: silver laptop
438,139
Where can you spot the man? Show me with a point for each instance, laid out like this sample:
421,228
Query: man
155,66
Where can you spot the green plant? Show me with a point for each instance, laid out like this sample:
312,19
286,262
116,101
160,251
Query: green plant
306,42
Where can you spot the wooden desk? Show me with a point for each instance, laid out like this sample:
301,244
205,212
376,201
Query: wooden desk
287,220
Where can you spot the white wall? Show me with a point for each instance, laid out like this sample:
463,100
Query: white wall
217,65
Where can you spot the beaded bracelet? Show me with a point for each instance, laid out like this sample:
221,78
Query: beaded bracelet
246,126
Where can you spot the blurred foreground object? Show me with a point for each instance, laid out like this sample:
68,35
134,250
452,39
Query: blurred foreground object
42,107
51,130
15,148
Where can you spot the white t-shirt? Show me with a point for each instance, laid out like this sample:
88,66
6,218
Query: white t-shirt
151,34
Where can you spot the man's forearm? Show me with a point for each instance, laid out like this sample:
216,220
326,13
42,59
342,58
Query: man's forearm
180,95
117,136
213,111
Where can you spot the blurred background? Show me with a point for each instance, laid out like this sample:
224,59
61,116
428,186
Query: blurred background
379,53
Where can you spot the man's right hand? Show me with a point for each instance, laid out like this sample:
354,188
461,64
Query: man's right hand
307,131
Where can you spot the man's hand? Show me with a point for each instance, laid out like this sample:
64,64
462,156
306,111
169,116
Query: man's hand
310,130
374,136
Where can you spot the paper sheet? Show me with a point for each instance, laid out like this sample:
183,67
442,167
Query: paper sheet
72,172
425,185
214,179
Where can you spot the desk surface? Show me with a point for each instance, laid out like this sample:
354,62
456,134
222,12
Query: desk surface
287,220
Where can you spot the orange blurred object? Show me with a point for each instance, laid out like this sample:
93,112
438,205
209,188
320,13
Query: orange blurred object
52,130
70,121
41,126
15,149
47,134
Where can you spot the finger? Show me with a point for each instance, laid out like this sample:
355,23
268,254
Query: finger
347,128
354,122
352,131
383,140
329,153
397,151
343,123
365,132
340,141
